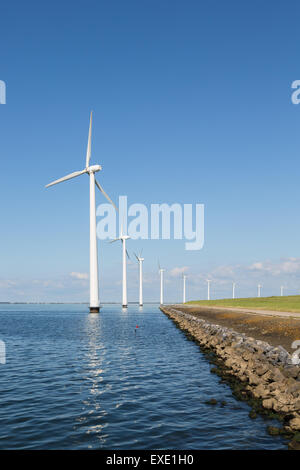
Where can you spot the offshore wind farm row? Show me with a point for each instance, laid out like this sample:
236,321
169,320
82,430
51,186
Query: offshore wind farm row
94,274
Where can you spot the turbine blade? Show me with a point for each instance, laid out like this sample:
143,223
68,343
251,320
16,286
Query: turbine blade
136,256
159,268
105,195
89,145
127,254
115,240
67,177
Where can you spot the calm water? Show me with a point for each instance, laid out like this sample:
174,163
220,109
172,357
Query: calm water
74,380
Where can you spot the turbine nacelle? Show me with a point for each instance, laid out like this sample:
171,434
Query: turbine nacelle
93,169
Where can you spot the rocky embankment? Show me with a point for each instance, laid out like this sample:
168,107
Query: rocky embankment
260,373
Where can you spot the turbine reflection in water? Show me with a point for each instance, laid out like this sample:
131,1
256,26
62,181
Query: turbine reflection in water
95,358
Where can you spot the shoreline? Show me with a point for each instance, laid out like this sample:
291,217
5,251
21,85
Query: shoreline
257,372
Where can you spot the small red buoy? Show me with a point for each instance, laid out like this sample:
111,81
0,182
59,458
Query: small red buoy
137,326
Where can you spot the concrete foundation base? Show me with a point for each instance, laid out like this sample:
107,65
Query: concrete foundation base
94,309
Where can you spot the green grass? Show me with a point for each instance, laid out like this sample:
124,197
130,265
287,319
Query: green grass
281,304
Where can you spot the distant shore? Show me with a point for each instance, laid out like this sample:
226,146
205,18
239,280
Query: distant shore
72,303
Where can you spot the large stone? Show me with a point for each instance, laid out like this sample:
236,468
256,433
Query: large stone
277,376
294,423
285,399
284,408
266,377
278,354
292,371
261,392
247,355
253,379
297,405
277,387
294,445
258,349
261,369
268,403
294,388
230,362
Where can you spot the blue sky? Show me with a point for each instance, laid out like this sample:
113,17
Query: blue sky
192,104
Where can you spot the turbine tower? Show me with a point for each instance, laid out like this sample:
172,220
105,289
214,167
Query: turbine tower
90,170
161,272
184,287
123,239
140,261
208,288
259,290
233,290
281,290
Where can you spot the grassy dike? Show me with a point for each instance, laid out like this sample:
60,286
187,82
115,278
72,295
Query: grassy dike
289,303
257,372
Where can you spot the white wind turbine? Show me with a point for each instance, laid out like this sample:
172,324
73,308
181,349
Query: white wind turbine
125,254
259,290
208,288
184,287
161,272
140,261
233,289
90,170
281,290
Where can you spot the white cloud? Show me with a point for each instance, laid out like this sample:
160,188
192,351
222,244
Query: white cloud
224,272
175,272
256,266
7,283
80,276
284,266
292,265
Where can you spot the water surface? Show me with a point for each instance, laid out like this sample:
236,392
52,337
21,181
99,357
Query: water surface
75,381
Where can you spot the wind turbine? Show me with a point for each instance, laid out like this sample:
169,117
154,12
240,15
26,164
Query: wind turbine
161,272
140,261
123,239
90,170
258,290
184,285
233,290
281,290
208,288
